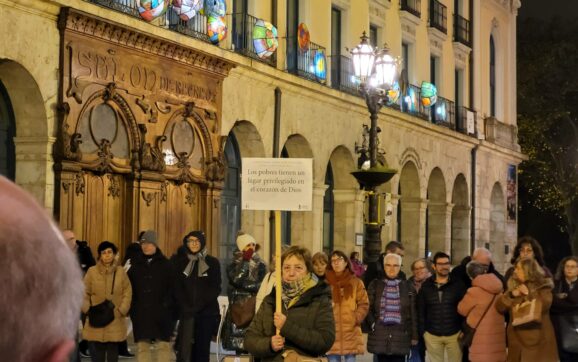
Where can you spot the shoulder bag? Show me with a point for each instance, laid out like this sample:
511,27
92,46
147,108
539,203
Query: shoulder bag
529,311
243,311
102,314
466,337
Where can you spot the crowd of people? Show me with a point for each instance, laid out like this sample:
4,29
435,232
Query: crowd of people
468,313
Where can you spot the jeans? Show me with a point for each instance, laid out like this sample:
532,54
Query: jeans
436,347
338,357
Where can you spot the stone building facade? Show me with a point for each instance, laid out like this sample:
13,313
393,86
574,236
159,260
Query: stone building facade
116,124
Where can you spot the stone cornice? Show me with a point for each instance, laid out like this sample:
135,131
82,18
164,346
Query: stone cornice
437,39
461,53
79,22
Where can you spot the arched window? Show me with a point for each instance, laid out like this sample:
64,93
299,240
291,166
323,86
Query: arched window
230,205
328,211
7,133
492,77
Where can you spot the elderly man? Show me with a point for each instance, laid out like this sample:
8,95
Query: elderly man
480,255
41,282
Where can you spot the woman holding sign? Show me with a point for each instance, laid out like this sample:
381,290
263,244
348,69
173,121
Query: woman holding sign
306,322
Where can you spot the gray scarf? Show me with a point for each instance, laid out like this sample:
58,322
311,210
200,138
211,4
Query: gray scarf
193,258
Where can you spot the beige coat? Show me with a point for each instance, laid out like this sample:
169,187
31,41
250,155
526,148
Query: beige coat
98,285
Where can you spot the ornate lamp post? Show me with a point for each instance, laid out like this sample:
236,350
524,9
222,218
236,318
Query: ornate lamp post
376,71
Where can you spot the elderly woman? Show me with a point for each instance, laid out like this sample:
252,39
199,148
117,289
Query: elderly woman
478,306
245,275
565,308
106,281
530,341
306,321
350,306
392,312
197,286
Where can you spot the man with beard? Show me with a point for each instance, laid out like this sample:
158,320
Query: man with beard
439,321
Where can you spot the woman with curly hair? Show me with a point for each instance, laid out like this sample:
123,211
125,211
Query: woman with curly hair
529,341
527,247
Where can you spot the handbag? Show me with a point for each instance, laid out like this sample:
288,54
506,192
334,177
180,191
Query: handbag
529,311
102,314
292,356
243,311
466,337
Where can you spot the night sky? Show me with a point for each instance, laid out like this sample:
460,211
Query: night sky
548,9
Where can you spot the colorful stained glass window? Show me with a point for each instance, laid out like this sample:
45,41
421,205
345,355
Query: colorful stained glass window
320,66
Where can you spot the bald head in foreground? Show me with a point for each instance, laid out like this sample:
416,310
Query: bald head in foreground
40,282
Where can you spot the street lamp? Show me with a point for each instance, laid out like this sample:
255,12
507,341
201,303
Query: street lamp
376,70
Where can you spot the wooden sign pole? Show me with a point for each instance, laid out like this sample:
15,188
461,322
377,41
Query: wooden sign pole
278,271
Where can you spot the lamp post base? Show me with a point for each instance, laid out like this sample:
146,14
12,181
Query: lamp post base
372,245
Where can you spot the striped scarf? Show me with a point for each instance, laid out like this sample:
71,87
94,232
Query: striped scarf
390,308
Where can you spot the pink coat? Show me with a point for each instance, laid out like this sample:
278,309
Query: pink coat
489,344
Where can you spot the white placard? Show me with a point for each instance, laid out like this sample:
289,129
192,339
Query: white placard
471,123
277,184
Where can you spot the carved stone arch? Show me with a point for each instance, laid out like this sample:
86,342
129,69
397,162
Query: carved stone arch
410,154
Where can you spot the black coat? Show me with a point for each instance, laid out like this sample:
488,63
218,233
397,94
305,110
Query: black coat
460,273
196,295
440,317
309,328
84,255
392,339
152,284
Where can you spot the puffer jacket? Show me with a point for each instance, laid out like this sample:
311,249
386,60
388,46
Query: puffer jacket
350,306
489,344
245,277
437,308
98,286
392,339
308,330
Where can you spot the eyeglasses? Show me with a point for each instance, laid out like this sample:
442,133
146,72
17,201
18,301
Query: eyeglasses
336,260
419,268
392,265
444,264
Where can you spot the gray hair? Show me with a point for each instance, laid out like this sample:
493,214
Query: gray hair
394,256
42,288
473,269
481,250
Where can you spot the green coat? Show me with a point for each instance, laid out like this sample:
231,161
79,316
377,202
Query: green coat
309,329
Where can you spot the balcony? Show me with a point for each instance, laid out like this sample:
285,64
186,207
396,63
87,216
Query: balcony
242,36
443,113
438,16
302,63
462,30
411,6
465,121
195,28
342,78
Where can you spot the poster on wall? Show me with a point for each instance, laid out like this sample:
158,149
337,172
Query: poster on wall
511,196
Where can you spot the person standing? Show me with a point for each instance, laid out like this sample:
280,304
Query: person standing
527,247
530,341
439,321
479,308
565,307
245,274
392,314
306,321
106,281
421,271
197,287
151,277
350,306
320,262
356,264
375,270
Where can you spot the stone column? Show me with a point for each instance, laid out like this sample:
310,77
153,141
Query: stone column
460,243
307,226
34,170
439,227
413,228
345,219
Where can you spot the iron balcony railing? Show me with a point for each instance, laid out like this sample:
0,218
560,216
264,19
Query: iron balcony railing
462,30
443,113
411,6
303,63
195,27
462,121
342,77
438,16
242,36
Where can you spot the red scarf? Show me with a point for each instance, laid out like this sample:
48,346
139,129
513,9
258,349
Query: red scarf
341,286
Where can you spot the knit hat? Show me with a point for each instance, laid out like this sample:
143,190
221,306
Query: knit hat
197,234
107,245
149,236
245,239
